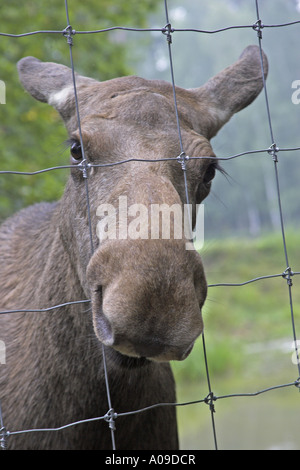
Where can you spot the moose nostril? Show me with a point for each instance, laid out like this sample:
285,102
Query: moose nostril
187,352
105,329
101,322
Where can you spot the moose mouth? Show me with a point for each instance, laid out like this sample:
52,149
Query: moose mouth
124,361
137,349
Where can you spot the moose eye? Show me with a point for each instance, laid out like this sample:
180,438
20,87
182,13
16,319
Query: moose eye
204,186
76,151
210,173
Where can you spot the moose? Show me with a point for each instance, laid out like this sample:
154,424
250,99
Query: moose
146,295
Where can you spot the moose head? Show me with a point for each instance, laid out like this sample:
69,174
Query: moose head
147,291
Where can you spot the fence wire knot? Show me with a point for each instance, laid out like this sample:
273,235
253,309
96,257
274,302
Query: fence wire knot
84,166
287,274
110,419
167,31
297,383
258,26
209,401
4,435
182,159
273,150
68,32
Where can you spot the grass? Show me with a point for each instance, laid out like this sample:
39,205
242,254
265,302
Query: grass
247,330
259,312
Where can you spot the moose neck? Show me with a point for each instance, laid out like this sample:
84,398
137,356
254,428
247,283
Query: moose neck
72,287
58,277
74,235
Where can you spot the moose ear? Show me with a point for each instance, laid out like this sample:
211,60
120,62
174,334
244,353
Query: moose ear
232,89
51,83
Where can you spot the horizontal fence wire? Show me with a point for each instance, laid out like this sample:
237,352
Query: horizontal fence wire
144,30
183,159
80,166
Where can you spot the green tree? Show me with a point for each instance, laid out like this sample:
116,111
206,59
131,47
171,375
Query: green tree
31,133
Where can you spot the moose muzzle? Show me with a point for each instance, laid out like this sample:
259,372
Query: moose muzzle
147,297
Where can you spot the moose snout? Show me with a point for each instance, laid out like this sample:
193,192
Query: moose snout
147,300
155,344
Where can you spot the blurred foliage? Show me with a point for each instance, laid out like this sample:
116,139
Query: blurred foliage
31,133
245,201
254,314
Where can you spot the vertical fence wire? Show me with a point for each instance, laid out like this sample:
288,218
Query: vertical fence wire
84,165
182,160
274,153
3,436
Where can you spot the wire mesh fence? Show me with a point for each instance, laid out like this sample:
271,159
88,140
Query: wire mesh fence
272,149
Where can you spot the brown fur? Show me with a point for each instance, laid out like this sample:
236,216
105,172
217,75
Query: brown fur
146,295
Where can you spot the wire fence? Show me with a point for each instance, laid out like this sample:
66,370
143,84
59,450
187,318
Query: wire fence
272,149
